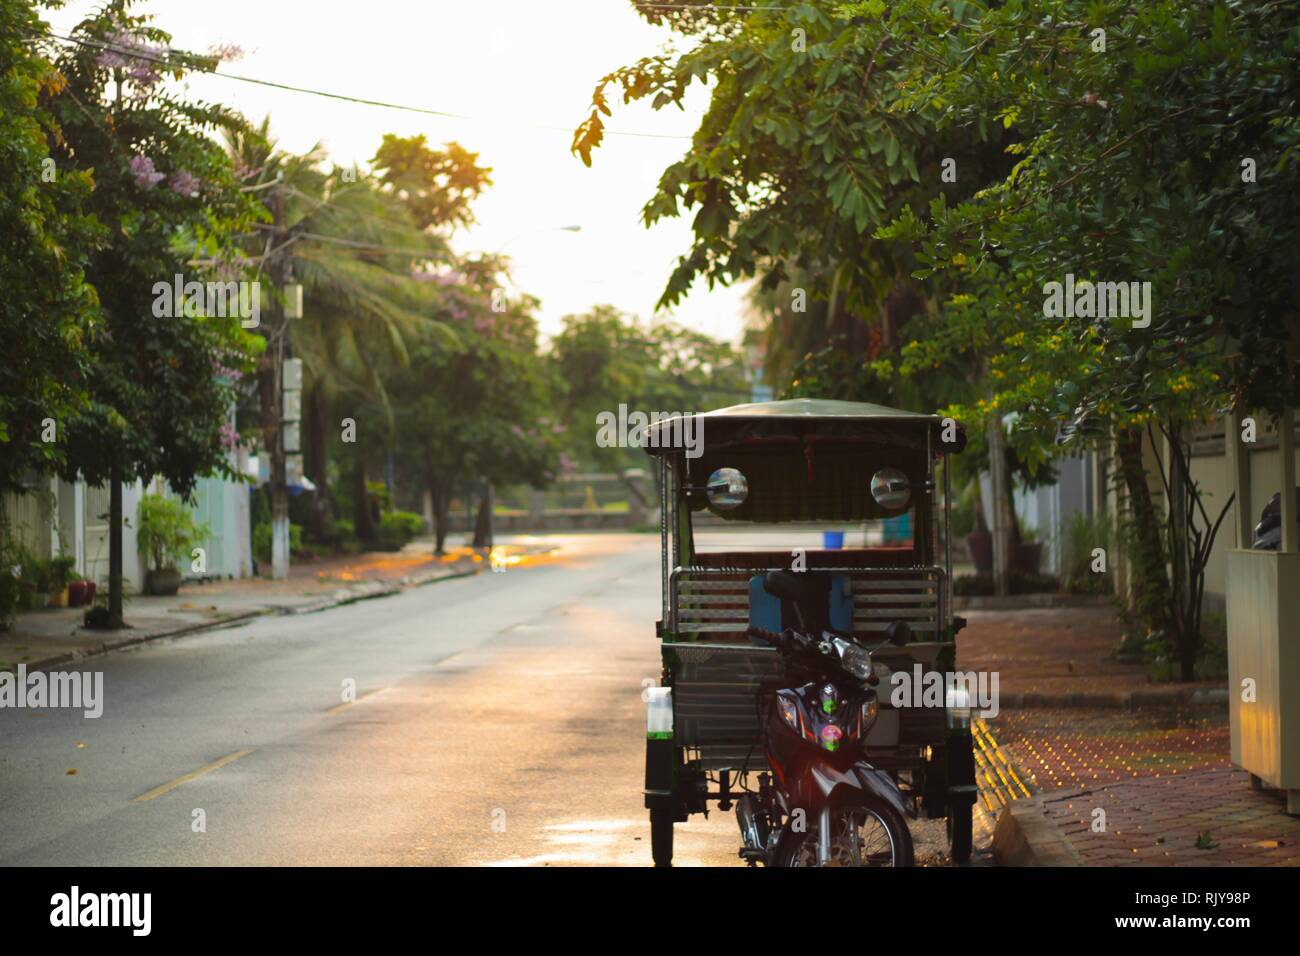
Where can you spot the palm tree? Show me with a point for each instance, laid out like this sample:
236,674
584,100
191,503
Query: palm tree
357,253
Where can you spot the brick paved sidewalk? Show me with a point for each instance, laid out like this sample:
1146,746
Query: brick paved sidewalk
1208,817
1061,749
1062,656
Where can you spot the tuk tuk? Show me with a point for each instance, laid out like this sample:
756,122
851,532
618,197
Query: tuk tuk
741,501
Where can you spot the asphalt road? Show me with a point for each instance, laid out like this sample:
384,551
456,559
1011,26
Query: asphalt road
498,721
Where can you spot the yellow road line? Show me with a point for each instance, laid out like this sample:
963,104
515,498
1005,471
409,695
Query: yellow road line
993,787
192,775
348,703
989,755
990,743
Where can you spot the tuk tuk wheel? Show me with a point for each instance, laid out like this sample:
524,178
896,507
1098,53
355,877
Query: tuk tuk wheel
661,837
959,831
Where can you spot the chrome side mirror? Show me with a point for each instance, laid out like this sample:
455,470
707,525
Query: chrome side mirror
727,489
891,489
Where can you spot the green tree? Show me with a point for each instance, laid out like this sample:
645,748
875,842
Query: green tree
481,409
1138,129
47,310
354,245
605,359
158,387
438,186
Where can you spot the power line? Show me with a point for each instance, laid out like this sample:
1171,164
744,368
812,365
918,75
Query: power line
194,67
701,6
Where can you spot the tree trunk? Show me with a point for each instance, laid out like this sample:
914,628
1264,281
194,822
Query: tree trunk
1181,571
363,518
115,549
440,499
1001,530
1150,581
483,522
441,517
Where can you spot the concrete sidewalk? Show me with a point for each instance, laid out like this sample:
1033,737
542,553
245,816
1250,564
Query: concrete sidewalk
54,636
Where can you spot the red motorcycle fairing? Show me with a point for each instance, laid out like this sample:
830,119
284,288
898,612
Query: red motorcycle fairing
825,784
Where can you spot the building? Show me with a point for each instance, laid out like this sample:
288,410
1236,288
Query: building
63,518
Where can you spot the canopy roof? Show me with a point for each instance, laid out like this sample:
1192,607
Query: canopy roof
805,408
801,419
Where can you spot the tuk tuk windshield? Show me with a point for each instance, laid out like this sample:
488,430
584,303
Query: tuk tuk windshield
788,537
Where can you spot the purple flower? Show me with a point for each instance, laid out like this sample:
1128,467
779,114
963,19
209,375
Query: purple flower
146,177
226,52
125,51
184,182
229,437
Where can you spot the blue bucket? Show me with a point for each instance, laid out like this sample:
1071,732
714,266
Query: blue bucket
833,540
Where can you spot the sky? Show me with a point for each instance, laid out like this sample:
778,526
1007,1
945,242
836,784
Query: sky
515,67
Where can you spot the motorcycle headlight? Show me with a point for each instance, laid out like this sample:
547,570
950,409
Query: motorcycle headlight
856,661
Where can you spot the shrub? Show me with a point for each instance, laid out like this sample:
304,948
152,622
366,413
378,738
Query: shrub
10,584
58,572
396,528
336,534
262,542
167,531
1083,534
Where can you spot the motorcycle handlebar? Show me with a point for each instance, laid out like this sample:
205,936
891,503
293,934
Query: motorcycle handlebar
790,641
786,639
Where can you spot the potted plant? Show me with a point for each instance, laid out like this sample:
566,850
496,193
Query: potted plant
1027,553
79,590
166,533
979,541
56,575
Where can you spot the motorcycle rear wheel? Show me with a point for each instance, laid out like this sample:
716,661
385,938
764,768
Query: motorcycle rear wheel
879,830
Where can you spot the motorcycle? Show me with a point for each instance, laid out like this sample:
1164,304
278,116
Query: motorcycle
823,804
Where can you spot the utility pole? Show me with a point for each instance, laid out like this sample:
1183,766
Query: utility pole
273,410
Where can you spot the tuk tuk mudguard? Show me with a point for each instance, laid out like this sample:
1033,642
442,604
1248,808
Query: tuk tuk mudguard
960,763
659,775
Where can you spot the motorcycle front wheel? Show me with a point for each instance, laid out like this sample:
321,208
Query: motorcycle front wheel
865,834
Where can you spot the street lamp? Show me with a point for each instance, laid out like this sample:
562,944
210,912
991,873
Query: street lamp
538,232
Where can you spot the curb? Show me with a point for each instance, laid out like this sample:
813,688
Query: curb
1024,836
130,641
1125,700
109,646
1022,602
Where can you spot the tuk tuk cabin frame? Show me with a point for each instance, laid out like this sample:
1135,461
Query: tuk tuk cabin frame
805,460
